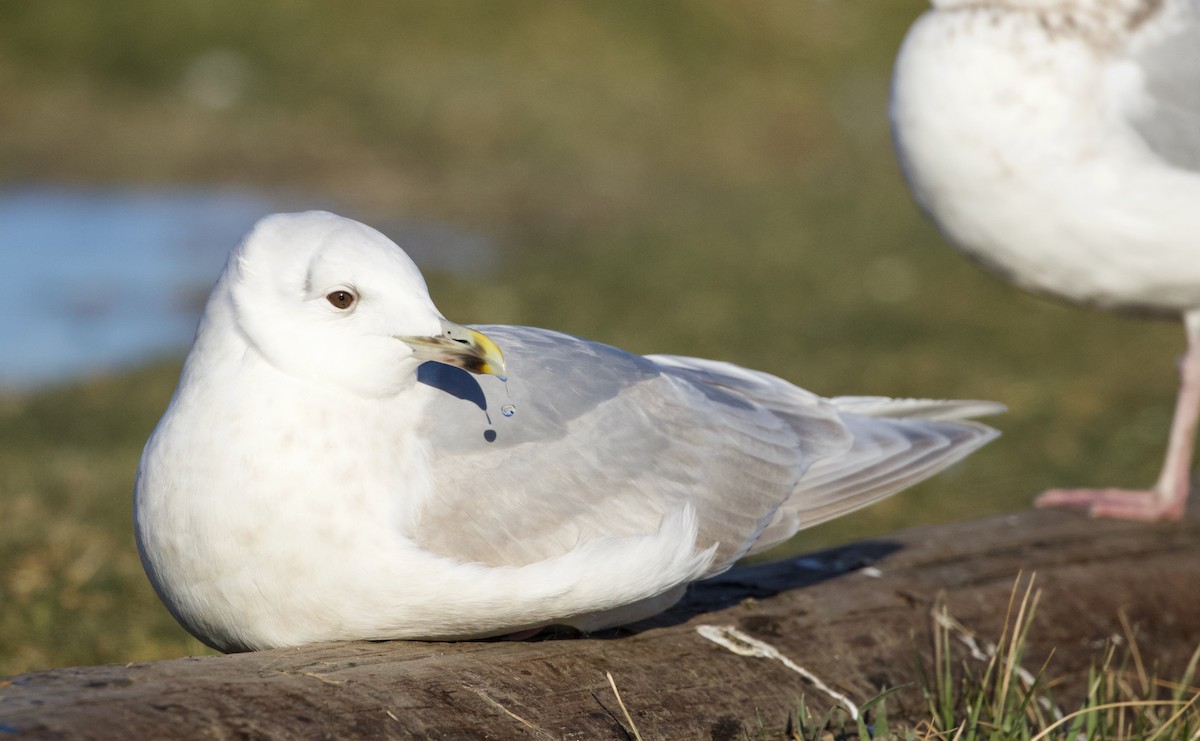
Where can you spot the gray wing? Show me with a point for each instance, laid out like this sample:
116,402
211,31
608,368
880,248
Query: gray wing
894,443
603,443
1167,51
890,453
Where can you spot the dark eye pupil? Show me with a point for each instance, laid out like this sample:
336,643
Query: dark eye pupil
341,299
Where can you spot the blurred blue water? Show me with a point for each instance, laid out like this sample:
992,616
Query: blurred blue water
97,280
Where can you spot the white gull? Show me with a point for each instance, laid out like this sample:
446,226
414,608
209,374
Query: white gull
1057,142
328,470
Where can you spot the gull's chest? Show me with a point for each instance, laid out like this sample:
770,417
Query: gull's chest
244,468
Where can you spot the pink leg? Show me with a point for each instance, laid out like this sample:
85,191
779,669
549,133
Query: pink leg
1167,499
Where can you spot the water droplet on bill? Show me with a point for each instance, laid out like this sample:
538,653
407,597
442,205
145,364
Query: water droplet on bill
508,410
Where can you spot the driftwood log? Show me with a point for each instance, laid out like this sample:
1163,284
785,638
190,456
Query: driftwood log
854,617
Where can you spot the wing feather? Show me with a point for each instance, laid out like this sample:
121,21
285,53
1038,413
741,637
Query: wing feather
601,444
1166,51
607,444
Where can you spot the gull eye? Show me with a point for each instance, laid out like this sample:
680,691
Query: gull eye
340,299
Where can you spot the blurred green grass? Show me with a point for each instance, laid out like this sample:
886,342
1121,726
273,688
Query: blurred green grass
704,178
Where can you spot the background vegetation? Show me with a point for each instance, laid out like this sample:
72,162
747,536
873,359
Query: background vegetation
704,177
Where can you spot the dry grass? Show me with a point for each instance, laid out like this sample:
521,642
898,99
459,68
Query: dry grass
976,689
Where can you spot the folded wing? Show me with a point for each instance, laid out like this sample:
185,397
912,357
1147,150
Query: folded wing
598,443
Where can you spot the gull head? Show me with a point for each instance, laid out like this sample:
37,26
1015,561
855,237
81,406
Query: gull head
332,301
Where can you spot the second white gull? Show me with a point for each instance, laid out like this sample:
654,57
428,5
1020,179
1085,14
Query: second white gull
1057,142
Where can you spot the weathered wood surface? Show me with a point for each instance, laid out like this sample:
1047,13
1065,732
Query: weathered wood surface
855,628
